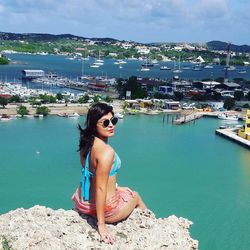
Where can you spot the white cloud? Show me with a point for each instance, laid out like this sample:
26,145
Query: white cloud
134,19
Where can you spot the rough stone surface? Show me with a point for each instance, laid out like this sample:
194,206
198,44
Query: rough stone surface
42,228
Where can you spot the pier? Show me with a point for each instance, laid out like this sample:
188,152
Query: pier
187,117
231,135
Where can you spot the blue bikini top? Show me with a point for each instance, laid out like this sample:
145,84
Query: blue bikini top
86,174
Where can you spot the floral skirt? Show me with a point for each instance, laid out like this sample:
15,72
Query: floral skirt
112,206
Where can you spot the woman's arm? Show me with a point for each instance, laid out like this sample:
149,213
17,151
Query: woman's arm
104,164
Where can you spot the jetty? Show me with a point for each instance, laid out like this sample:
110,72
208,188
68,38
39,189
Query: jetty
187,117
232,135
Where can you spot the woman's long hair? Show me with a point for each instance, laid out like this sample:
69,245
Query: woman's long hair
87,135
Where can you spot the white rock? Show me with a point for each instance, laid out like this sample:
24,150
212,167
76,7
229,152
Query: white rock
41,228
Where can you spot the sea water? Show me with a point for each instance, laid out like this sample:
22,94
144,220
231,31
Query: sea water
75,68
184,170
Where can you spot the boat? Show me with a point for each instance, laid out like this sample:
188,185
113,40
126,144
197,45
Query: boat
186,68
209,66
230,117
151,112
197,68
165,68
179,69
119,115
73,115
5,117
242,71
94,65
145,69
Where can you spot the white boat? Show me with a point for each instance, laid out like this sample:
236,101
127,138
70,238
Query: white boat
73,115
242,71
179,68
145,69
165,68
230,117
209,67
5,117
119,115
94,65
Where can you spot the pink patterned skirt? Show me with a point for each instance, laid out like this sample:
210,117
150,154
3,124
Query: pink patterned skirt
112,206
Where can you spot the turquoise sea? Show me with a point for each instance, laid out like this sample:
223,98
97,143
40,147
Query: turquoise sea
183,170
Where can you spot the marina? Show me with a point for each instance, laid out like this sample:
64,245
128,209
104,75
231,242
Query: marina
232,135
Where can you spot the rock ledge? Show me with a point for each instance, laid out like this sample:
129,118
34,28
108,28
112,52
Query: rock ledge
42,228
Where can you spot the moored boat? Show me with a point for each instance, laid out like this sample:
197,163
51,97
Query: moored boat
230,117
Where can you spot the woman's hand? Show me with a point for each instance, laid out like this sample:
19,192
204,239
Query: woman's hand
105,234
126,189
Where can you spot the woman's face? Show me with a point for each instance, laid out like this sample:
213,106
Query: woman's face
105,127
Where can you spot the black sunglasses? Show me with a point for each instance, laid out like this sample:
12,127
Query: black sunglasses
106,122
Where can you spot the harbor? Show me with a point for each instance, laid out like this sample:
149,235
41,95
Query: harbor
232,135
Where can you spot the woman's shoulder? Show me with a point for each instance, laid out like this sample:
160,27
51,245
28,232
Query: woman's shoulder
102,149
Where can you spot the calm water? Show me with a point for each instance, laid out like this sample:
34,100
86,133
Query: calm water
183,170
74,68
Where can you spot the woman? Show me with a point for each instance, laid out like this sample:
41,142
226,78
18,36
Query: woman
98,194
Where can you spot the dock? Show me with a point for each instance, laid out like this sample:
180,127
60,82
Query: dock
185,118
231,135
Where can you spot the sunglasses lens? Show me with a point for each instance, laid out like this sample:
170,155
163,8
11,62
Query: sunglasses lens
114,120
106,123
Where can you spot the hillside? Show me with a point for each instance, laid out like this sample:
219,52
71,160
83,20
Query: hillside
7,36
218,45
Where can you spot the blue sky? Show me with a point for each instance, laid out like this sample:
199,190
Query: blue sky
137,20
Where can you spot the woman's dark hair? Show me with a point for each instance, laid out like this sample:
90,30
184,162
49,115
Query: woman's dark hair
87,135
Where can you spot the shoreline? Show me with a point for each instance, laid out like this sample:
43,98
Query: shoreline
81,109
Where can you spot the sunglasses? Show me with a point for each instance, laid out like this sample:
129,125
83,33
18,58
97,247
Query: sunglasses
106,122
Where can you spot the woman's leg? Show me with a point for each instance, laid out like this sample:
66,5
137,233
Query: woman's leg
127,208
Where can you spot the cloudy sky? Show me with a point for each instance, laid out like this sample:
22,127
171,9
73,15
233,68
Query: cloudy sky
137,20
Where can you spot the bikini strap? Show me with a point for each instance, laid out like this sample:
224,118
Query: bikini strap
86,174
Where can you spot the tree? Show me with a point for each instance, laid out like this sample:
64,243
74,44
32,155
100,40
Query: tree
59,96
238,95
108,99
229,103
216,96
199,98
178,96
96,98
248,96
15,99
3,101
136,90
83,99
43,110
22,110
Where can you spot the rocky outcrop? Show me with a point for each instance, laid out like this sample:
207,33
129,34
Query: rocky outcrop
44,228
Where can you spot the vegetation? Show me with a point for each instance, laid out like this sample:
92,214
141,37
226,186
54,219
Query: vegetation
238,95
43,110
3,61
3,101
15,99
131,85
248,96
22,110
54,44
229,103
84,99
5,244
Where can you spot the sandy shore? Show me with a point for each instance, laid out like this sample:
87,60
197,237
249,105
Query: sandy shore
11,109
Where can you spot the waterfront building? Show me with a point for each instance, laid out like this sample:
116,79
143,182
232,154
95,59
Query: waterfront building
245,132
174,105
31,73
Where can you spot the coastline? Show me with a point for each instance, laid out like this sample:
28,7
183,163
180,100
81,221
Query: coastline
81,109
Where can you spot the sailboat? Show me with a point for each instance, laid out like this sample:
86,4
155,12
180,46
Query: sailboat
179,68
145,66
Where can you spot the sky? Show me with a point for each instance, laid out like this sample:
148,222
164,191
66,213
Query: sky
141,21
